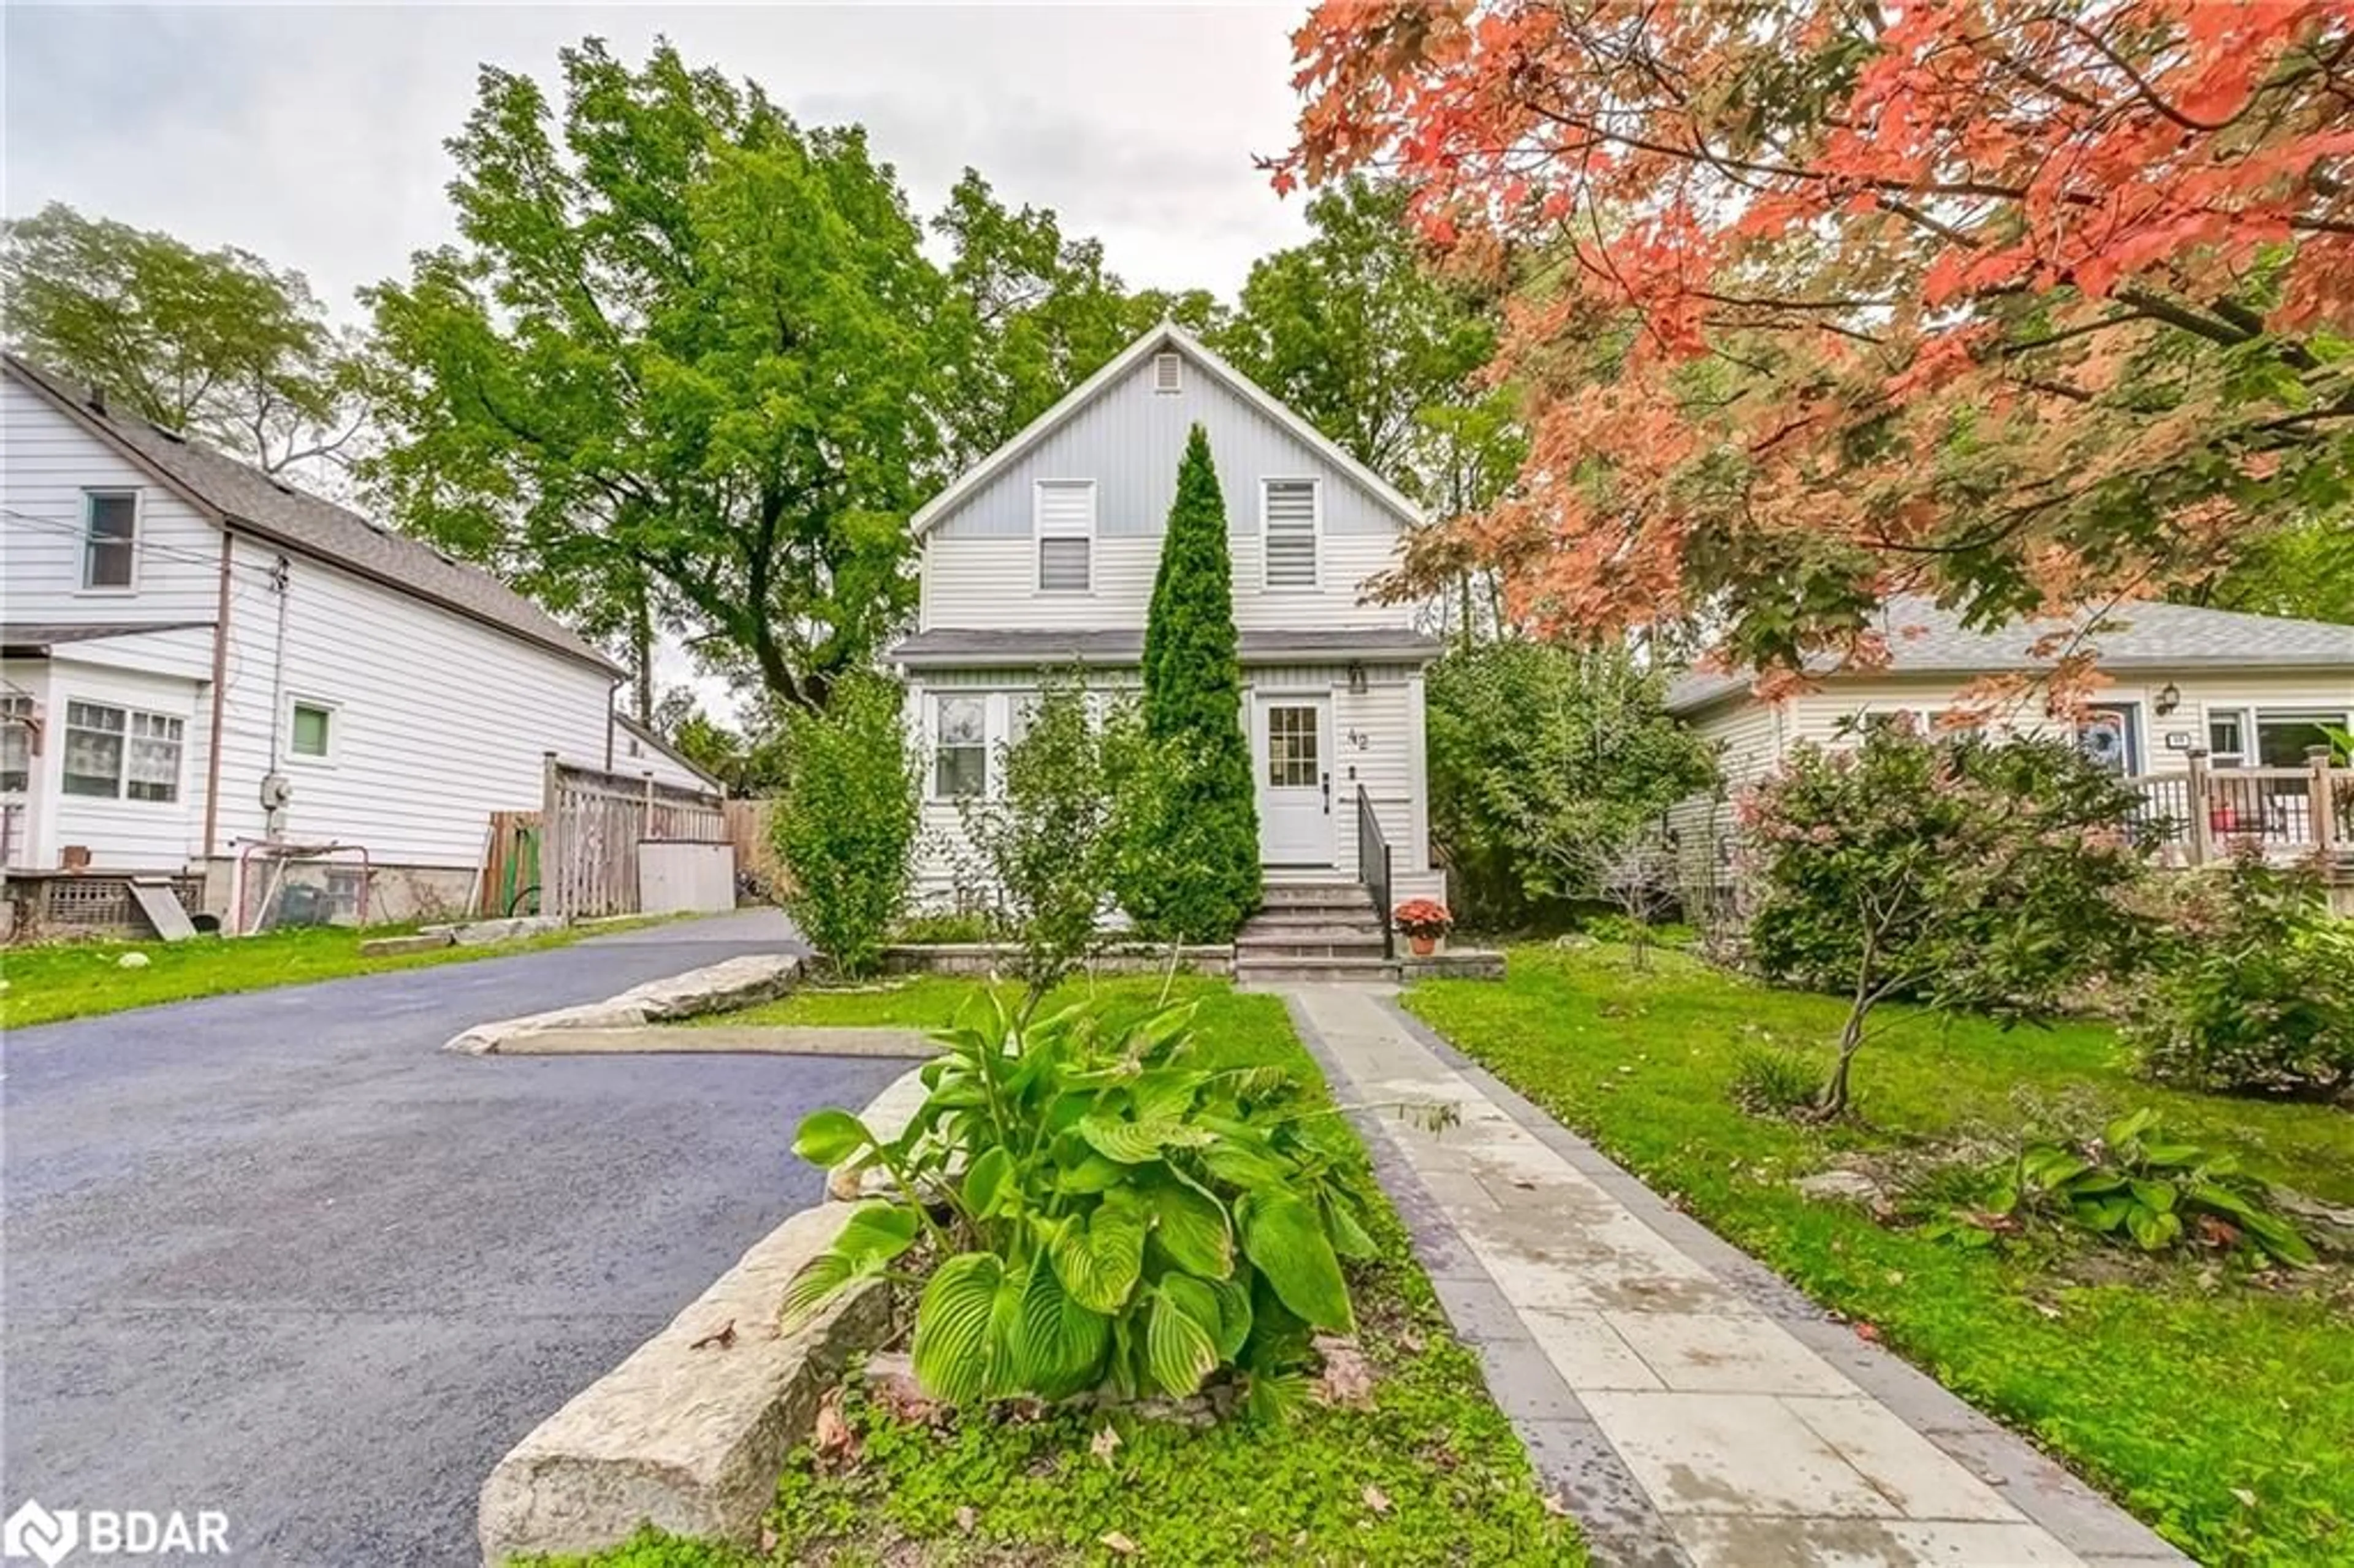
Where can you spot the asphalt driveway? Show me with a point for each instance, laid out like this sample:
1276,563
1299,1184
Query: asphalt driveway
279,1256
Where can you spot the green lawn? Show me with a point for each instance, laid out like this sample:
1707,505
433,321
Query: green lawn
1448,1482
74,980
2221,1413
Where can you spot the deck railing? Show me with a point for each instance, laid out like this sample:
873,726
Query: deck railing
2205,813
1373,867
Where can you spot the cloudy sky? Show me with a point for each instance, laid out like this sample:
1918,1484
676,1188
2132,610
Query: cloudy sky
312,135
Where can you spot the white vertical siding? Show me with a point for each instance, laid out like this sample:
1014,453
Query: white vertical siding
980,562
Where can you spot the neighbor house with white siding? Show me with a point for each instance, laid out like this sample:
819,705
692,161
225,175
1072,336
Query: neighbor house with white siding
196,658
2243,700
1042,558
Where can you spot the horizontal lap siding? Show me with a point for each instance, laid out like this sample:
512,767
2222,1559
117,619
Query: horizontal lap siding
124,834
46,463
437,720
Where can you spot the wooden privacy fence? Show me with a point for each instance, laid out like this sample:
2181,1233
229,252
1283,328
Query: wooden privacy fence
591,822
747,830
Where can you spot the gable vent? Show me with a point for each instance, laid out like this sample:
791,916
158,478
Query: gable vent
1289,510
1168,372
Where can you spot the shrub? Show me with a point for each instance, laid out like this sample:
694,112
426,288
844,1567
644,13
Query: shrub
1538,755
2129,1185
2252,992
1957,870
939,927
1191,869
845,825
1047,841
1116,1214
1774,1080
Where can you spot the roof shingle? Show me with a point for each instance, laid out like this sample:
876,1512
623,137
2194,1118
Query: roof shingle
267,507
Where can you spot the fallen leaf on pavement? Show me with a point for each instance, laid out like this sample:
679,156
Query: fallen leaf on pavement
722,1336
1867,1333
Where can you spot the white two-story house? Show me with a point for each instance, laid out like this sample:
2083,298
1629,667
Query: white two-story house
196,659
1042,557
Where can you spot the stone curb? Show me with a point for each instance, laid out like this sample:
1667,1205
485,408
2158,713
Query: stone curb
692,1440
734,982
739,1038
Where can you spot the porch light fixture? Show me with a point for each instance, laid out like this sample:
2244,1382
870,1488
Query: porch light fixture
2169,697
1356,678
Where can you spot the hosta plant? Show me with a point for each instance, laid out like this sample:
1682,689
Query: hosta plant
2133,1185
1106,1210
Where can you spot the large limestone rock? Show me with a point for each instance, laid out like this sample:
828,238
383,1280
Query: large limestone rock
690,1438
734,983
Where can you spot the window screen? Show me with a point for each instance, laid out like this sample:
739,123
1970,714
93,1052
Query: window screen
114,521
1290,513
93,761
1065,520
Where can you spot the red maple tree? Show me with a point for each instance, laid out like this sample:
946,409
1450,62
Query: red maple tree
2022,304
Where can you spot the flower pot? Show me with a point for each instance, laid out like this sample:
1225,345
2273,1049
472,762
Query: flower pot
1424,946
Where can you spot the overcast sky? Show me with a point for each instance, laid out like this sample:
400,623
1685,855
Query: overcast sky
312,135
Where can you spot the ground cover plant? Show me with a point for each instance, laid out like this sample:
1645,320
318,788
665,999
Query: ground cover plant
2214,1404
1415,1468
78,980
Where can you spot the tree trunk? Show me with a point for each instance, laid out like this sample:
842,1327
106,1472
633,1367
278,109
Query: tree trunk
641,647
1832,1102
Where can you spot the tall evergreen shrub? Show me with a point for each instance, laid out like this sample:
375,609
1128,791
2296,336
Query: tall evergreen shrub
1194,875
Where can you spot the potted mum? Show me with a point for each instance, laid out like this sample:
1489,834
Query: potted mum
1424,921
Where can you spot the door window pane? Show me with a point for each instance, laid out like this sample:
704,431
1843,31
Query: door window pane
1291,747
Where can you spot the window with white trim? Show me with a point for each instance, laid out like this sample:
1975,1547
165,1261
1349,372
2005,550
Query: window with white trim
959,745
15,743
311,730
109,538
1168,372
1064,518
1287,517
114,753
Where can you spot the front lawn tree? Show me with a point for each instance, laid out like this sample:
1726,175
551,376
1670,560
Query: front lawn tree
845,823
1952,870
1819,299
1191,859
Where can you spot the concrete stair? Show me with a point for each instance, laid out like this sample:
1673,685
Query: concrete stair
1314,931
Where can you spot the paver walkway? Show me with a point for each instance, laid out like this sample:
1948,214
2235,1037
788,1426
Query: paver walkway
1690,1407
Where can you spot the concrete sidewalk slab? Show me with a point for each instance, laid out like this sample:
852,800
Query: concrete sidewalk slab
1691,1408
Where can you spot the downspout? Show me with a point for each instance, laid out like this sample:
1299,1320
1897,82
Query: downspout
220,697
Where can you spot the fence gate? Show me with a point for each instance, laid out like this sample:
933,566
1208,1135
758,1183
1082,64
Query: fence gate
590,826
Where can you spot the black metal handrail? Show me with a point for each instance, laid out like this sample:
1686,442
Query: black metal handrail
1373,867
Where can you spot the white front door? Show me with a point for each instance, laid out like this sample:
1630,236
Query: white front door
1294,744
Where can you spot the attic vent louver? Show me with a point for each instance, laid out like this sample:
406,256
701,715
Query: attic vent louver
1168,373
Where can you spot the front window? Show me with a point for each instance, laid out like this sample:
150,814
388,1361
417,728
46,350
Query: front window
115,753
15,743
960,746
2284,737
93,763
111,542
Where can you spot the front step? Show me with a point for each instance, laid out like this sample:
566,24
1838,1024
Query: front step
1258,941
1279,895
1278,969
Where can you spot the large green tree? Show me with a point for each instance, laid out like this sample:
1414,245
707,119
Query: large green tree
1033,314
1194,872
1354,331
216,344
681,370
